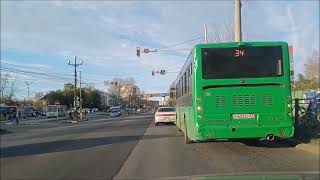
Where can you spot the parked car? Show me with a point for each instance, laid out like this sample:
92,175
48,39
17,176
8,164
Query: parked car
165,115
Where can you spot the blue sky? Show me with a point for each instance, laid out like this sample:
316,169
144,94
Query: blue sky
42,35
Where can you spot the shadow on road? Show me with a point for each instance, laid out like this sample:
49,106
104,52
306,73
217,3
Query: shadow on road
68,145
277,143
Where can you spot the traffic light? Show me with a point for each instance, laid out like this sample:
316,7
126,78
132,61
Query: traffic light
152,72
114,83
146,50
138,51
163,72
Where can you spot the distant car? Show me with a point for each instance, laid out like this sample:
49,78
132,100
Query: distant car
115,113
165,115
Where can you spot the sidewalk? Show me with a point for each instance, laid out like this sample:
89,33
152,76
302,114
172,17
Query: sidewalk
33,120
311,147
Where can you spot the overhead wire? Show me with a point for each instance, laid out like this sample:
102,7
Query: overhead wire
28,68
38,74
177,44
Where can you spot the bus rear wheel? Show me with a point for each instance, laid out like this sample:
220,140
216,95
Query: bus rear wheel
186,138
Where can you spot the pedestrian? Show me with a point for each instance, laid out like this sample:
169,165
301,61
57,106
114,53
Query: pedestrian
17,121
70,114
14,117
5,115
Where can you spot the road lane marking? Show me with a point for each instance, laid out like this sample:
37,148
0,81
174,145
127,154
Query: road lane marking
242,174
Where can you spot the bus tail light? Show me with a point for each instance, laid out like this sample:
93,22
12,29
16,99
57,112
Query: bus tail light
198,108
281,133
290,114
290,106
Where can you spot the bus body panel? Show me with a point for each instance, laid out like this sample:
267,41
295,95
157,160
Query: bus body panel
222,101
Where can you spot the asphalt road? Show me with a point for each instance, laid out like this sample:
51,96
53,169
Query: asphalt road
168,157
94,149
133,147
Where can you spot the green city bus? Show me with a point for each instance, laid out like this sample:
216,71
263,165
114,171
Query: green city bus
235,90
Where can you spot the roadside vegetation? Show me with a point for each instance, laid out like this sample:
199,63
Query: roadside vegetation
308,129
307,126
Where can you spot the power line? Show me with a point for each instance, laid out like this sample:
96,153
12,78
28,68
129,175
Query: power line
30,67
177,44
33,73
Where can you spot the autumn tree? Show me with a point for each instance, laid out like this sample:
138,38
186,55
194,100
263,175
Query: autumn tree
311,67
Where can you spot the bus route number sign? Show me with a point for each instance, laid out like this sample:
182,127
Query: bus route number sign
239,53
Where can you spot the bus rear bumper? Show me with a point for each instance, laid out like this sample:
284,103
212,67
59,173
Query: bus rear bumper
260,132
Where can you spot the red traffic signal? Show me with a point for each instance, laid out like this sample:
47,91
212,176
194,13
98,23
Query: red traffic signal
138,51
146,50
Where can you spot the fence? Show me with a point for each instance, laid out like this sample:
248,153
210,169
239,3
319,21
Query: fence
306,108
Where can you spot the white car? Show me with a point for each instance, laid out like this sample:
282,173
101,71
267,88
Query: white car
115,112
165,115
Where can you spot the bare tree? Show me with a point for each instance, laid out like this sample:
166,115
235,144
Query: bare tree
222,33
123,88
312,66
4,83
12,90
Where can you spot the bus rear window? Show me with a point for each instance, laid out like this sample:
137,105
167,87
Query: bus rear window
241,62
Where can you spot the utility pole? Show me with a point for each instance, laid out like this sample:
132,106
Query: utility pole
205,34
118,101
75,65
80,98
237,21
28,84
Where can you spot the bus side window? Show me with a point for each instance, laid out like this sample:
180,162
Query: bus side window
190,77
185,82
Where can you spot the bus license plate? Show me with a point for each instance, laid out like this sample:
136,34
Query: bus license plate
243,116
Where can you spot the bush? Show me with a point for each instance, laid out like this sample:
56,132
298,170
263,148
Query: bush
307,128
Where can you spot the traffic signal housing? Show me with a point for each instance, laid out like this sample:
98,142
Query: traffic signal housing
138,51
163,72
